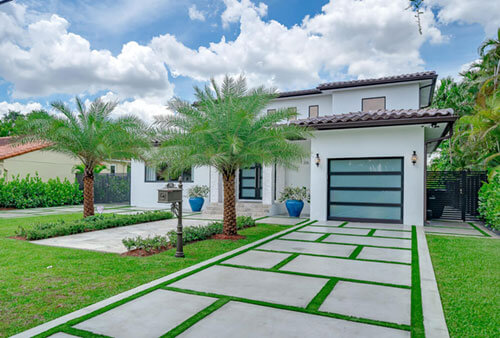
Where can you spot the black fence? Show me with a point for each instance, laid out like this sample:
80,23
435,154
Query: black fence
454,194
109,188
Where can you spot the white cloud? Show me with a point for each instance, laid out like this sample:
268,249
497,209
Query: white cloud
368,38
5,107
195,14
483,12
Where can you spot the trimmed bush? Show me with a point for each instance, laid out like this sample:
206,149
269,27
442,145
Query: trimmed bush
148,244
32,192
489,202
98,222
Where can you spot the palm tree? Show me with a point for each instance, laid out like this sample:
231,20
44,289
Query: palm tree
90,135
227,128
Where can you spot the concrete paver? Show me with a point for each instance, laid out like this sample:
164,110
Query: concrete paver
384,303
330,230
61,335
310,248
397,274
386,254
257,259
247,320
387,233
375,241
330,223
303,236
251,284
382,226
151,315
280,220
453,231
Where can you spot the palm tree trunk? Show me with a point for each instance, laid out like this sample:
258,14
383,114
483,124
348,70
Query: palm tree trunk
88,192
229,228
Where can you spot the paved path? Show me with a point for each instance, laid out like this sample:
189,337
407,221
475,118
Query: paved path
458,228
315,280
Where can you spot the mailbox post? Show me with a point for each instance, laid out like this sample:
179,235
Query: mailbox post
173,195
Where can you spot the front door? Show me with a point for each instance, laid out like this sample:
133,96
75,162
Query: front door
251,183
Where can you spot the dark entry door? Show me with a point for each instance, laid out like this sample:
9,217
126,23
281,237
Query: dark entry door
251,183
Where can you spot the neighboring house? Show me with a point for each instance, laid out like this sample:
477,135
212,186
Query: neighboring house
32,158
367,134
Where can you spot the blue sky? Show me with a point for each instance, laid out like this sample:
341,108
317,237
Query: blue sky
142,53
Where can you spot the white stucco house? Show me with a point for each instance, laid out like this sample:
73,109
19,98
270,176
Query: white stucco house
367,153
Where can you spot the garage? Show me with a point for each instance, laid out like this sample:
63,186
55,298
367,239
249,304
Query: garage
366,189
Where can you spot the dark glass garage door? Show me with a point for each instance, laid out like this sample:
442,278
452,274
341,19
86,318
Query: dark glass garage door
366,189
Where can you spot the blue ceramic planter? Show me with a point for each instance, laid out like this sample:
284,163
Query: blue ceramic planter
196,203
294,207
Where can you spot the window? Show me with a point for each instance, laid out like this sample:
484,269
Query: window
294,109
314,111
373,103
112,169
153,174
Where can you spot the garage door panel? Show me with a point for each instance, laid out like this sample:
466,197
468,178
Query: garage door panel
376,181
364,196
368,212
367,165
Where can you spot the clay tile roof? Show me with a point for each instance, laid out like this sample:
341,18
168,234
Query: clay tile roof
299,92
378,118
9,149
428,75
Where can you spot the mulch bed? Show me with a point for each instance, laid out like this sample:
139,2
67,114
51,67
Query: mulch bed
21,238
222,236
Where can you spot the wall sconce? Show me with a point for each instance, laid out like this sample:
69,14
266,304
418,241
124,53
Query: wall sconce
414,158
317,160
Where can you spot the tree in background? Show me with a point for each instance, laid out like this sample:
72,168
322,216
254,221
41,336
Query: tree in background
90,135
80,168
229,129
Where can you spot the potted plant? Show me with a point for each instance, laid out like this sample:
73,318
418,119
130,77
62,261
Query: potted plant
197,194
294,198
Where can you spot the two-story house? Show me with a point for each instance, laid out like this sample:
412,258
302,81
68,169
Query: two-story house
367,153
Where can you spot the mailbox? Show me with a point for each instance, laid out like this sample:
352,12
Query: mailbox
169,194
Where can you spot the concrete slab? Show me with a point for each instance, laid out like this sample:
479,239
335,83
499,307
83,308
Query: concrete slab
151,315
330,223
206,216
370,301
304,236
280,220
450,224
385,254
258,259
310,248
330,230
251,284
243,320
388,233
397,274
110,240
382,226
61,335
453,231
375,241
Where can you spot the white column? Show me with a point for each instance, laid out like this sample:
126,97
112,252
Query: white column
214,185
267,184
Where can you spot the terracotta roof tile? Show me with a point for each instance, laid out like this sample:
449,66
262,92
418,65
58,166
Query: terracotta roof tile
387,79
9,149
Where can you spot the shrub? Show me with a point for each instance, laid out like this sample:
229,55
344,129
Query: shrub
198,191
97,222
489,201
295,193
32,192
148,244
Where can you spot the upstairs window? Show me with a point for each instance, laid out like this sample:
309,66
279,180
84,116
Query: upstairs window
112,169
314,111
294,109
158,174
373,103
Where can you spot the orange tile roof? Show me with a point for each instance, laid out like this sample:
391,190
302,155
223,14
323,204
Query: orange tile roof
9,149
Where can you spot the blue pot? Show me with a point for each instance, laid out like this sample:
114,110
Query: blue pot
196,203
294,207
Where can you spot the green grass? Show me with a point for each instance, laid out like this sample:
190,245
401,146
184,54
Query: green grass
31,293
468,276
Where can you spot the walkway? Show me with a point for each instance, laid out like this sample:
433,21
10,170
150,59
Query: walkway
313,280
457,228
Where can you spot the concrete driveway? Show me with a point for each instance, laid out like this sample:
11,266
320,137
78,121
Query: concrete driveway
316,280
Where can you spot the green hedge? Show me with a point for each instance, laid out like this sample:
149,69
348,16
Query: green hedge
489,202
189,234
32,192
98,222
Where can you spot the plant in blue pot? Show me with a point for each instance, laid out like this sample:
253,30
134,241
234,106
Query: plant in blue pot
197,195
294,198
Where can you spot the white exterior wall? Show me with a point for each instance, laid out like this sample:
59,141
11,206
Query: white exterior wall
397,141
145,194
303,102
400,96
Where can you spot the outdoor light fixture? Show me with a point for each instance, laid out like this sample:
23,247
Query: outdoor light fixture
318,160
414,158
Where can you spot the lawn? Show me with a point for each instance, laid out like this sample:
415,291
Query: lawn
468,275
40,283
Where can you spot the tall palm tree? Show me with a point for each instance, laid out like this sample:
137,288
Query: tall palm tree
229,129
91,135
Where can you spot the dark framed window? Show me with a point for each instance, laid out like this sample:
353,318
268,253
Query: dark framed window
314,111
294,109
112,169
366,189
373,103
158,174
250,183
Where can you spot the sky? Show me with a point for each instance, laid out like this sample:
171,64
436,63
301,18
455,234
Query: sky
143,53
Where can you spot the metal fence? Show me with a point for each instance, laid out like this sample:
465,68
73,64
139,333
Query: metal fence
109,188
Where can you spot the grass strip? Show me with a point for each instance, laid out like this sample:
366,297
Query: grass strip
375,228
343,225
285,261
304,221
259,218
197,317
356,252
354,235
322,237
340,243
82,333
480,230
372,232
316,302
417,317
293,308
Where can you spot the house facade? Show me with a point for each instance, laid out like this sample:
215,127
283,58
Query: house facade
367,153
